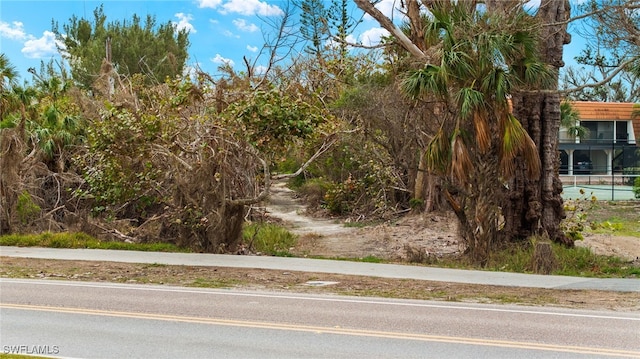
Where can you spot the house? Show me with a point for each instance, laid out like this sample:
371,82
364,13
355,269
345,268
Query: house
609,144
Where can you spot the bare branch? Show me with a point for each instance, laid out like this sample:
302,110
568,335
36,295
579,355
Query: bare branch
328,142
385,22
604,81
267,183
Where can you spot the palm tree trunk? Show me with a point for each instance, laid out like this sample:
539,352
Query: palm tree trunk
534,205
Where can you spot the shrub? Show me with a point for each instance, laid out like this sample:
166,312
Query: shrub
576,221
636,187
631,181
268,238
26,208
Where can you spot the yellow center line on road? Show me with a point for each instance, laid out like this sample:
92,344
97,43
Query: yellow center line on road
332,330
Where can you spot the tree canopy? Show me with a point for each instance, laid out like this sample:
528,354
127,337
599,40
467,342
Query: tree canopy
158,51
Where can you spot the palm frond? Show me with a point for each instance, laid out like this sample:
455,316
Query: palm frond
426,80
498,83
461,164
483,133
516,141
437,154
468,100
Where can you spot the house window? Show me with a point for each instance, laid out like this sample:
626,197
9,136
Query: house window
621,132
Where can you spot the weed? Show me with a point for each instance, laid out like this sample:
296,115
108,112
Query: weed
370,259
576,221
269,239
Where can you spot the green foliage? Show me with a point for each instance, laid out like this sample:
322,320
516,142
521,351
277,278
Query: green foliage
577,220
157,51
358,178
416,203
340,197
27,210
580,261
485,58
81,240
630,181
636,187
58,125
268,239
371,192
312,27
577,261
271,120
570,119
118,166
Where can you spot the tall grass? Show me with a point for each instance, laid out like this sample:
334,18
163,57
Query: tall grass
270,239
577,261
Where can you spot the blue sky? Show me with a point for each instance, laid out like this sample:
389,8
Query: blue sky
220,30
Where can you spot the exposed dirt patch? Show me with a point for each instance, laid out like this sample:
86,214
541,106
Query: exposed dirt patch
257,279
625,247
429,235
433,234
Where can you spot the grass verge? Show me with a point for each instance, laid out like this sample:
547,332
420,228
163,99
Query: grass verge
577,261
81,240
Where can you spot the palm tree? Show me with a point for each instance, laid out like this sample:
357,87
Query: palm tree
483,58
57,124
8,78
570,119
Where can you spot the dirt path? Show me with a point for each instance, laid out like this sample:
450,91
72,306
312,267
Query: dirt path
413,237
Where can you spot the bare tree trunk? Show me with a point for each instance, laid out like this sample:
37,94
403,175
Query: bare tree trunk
534,205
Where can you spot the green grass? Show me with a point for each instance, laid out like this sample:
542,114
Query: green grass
81,240
268,238
619,226
620,218
577,261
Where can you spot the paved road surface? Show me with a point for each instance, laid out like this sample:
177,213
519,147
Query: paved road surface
105,320
331,266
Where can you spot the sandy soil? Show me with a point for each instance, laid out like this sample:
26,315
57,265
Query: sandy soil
433,234
301,282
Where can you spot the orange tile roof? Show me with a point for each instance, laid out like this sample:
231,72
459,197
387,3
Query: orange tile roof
620,111
590,110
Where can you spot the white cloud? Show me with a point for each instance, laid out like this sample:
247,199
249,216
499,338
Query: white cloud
42,47
13,31
260,70
228,33
386,7
184,22
372,36
250,8
252,48
209,3
221,60
242,25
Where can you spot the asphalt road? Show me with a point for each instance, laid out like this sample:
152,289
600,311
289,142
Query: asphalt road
103,320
